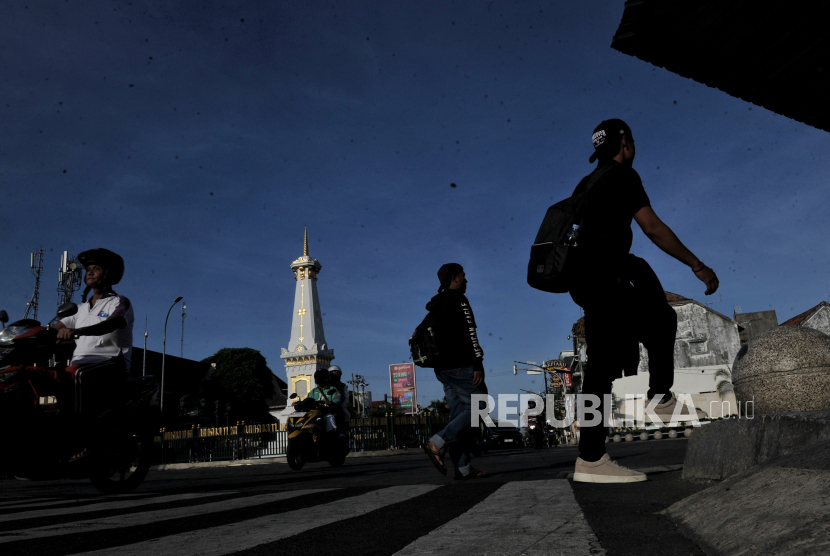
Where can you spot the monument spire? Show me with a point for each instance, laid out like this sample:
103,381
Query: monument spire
307,350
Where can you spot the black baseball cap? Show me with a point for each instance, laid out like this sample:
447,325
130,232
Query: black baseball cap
606,136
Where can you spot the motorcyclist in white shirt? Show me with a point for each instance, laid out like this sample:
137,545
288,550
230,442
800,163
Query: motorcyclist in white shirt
103,326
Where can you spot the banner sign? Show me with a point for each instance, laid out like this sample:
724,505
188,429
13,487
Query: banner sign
402,382
566,378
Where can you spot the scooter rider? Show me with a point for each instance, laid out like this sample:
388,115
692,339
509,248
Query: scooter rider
335,374
103,329
327,394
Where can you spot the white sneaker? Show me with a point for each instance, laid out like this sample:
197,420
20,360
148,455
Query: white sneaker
605,470
665,411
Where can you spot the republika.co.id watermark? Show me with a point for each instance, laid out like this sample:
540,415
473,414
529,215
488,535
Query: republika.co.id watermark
587,411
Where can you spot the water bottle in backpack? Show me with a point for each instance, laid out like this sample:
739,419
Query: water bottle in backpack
572,239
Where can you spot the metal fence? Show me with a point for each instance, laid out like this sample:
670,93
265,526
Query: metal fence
269,440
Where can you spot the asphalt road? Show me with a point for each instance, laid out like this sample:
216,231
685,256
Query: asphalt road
371,505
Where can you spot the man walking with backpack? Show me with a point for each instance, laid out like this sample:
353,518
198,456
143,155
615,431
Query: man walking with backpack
604,271
460,369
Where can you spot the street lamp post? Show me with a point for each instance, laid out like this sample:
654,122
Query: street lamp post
184,306
144,357
164,352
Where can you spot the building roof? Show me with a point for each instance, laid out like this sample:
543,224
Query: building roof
756,323
578,329
675,298
772,54
798,319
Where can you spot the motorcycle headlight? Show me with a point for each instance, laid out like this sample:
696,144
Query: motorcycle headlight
8,334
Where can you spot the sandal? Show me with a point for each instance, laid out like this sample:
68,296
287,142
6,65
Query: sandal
80,455
473,474
436,457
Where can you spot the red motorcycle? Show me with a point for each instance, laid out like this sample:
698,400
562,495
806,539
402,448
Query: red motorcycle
62,422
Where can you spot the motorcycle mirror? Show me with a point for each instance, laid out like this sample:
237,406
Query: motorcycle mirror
4,317
67,310
292,396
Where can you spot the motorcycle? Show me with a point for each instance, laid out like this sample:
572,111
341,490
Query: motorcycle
112,447
308,441
535,432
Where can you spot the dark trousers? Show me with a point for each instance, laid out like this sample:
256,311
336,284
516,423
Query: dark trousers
621,311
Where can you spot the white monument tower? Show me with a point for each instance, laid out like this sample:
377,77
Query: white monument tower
307,350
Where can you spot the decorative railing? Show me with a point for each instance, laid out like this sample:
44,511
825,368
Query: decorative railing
244,441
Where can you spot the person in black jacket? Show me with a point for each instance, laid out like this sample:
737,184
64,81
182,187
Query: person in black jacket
459,368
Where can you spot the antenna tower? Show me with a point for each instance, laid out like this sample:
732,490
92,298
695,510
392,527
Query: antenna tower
69,278
36,264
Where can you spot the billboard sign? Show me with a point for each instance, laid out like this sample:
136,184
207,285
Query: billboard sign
402,382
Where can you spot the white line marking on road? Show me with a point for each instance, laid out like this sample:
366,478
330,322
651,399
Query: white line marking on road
225,539
29,502
108,505
142,518
531,518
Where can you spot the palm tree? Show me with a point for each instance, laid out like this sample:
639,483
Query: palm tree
724,385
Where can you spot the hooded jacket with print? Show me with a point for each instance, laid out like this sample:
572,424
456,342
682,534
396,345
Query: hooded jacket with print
455,332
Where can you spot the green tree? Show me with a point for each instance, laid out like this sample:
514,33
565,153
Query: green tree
439,407
386,410
241,376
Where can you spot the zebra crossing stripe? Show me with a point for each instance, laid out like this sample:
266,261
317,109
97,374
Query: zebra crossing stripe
529,518
29,502
121,504
142,518
226,539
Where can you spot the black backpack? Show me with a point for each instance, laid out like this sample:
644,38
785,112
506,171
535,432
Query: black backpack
422,345
551,265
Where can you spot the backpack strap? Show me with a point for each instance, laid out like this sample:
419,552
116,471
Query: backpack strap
596,175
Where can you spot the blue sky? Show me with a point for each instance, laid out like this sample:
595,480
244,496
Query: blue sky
197,139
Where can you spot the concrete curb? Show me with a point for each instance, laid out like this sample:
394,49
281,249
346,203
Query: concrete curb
779,507
733,446
276,459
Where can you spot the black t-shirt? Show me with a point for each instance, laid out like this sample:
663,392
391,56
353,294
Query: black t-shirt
605,236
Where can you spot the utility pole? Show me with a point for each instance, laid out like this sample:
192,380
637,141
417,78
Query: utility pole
353,393
360,384
36,264
359,397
